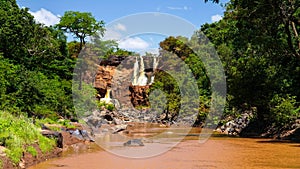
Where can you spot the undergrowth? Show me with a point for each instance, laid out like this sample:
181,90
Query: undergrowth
17,133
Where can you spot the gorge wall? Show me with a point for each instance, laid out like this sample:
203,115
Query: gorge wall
110,76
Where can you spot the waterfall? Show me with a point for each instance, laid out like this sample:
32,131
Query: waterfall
142,80
107,94
106,98
139,76
135,72
155,64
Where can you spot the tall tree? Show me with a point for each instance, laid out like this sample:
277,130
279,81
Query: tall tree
81,24
258,42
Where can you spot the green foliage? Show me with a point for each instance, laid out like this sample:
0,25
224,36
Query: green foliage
167,84
284,110
57,124
46,144
258,44
108,106
81,24
32,151
34,93
17,132
174,87
73,49
84,98
36,71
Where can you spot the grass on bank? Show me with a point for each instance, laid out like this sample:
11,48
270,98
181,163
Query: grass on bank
17,134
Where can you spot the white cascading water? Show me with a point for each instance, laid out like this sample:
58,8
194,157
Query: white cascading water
135,72
142,80
155,64
106,98
139,76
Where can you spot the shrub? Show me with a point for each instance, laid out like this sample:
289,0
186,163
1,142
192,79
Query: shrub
17,132
32,151
284,110
108,106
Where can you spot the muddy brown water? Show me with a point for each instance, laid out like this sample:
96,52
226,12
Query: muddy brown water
217,152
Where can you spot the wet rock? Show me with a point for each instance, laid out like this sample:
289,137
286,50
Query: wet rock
134,142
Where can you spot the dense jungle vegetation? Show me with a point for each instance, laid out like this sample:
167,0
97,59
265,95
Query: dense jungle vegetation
258,43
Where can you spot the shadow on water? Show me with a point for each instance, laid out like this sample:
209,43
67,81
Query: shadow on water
279,141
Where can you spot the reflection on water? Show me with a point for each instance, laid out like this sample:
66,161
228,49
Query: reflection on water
157,140
217,152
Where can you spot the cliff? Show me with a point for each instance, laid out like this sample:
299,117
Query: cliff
118,78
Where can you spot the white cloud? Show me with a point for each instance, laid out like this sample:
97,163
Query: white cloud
216,18
114,32
178,8
110,34
120,27
153,51
45,17
134,43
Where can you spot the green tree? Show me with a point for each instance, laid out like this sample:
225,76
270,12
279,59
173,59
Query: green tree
81,24
15,30
258,43
36,71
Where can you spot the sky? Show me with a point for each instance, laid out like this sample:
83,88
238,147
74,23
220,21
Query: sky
194,12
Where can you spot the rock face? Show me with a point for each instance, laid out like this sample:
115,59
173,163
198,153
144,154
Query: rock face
103,79
139,95
112,61
110,76
235,126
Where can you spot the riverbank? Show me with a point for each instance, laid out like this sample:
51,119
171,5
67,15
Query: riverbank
20,139
25,142
76,140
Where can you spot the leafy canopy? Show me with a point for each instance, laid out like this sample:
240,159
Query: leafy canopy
81,24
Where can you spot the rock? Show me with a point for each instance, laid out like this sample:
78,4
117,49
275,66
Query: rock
86,136
102,113
54,134
76,133
235,126
134,142
119,128
112,60
117,121
139,95
103,79
108,117
95,122
223,128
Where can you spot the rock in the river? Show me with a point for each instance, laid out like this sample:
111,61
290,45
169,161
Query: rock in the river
134,142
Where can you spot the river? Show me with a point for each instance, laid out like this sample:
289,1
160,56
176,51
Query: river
217,152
